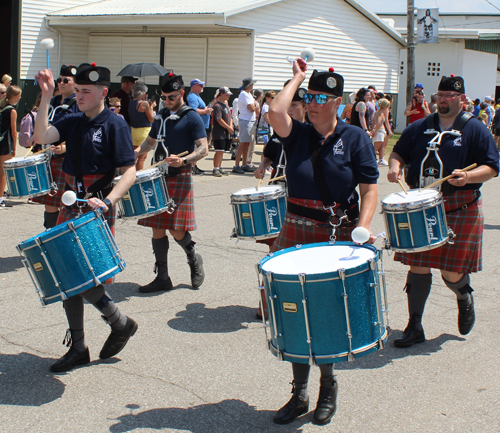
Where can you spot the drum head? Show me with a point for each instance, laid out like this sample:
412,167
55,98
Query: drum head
413,196
143,175
319,259
20,161
263,190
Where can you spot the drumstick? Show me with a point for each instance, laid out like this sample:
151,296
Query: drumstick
260,181
402,186
29,150
163,161
44,150
276,178
470,167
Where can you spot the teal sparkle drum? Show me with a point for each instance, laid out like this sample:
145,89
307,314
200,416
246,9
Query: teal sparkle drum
147,197
30,176
416,221
72,257
258,213
327,302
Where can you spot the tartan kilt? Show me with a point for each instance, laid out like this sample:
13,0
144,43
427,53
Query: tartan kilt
465,254
180,189
69,212
59,178
300,230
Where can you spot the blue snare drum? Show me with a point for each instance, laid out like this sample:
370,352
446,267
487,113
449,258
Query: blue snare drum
325,302
71,257
258,213
30,176
147,197
416,221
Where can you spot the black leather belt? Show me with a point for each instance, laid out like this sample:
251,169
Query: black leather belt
321,216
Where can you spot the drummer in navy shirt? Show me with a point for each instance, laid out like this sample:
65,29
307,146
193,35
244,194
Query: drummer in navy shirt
462,203
105,146
344,159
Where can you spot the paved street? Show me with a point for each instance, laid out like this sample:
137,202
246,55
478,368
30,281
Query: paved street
199,360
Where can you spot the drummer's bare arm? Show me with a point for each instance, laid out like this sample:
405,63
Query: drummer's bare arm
146,146
278,110
396,163
43,133
480,174
261,171
200,151
369,200
59,149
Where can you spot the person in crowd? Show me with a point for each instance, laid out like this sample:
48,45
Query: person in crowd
6,80
222,130
418,108
379,132
115,106
125,95
360,114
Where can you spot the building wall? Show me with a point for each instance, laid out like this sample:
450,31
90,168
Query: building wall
341,37
479,72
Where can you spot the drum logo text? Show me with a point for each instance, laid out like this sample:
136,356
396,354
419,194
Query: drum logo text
431,222
271,213
31,178
147,194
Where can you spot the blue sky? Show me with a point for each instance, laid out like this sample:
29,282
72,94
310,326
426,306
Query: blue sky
445,6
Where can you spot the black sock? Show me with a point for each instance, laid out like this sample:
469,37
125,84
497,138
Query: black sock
461,288
50,219
74,313
187,244
300,378
418,288
100,299
160,250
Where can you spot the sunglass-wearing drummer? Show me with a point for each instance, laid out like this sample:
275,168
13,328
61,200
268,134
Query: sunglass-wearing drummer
62,105
182,130
97,144
326,161
461,200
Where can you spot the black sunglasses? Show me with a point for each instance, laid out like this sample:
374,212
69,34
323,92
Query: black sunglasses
170,97
62,80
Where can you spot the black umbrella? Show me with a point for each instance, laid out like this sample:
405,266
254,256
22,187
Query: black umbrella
143,70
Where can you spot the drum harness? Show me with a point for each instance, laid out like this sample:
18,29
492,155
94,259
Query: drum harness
432,168
337,214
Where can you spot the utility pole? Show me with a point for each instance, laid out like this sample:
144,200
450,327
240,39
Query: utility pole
410,61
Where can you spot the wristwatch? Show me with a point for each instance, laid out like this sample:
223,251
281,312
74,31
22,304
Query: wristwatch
108,203
184,161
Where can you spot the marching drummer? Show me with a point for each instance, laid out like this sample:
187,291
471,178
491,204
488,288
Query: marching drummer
182,130
321,157
97,144
62,104
463,204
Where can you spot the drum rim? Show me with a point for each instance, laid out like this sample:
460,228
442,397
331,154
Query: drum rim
20,161
143,177
259,197
437,195
261,190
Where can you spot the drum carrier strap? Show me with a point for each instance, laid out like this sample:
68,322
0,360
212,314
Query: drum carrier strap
337,214
100,186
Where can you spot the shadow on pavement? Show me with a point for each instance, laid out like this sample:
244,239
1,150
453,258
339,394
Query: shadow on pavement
222,417
198,318
492,227
381,358
25,380
121,291
10,264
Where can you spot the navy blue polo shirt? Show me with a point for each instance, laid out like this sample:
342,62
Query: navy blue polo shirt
476,145
106,142
273,150
56,102
181,134
347,156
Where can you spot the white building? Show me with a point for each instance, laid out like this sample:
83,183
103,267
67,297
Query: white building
217,41
468,46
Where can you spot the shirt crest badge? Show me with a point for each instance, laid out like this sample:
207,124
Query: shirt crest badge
97,136
338,148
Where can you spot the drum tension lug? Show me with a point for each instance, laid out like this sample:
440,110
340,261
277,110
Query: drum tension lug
350,357
381,344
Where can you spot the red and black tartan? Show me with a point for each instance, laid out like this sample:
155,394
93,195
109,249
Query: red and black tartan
465,254
180,189
305,230
59,178
69,212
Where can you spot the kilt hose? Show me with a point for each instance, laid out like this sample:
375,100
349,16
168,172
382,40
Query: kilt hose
180,189
465,254
300,230
59,178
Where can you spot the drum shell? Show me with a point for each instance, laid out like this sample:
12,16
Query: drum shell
28,177
326,312
61,254
259,215
419,225
147,197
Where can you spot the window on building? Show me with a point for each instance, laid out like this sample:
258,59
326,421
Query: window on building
433,69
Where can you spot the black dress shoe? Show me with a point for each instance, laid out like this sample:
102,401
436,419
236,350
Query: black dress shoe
118,339
296,407
327,403
73,358
411,334
157,285
466,315
197,273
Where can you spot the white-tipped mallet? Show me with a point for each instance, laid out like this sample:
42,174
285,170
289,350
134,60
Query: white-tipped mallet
69,198
360,235
307,54
47,44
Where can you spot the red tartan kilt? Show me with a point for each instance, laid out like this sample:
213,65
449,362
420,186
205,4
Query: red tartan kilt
465,254
305,230
180,189
59,179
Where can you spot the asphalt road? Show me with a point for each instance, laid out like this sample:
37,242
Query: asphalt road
199,361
